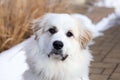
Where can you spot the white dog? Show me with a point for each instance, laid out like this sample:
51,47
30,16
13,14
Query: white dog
59,50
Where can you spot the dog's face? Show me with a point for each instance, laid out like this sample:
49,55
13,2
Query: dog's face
60,36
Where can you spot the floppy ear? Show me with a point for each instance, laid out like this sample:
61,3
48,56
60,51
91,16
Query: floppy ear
85,34
85,38
37,27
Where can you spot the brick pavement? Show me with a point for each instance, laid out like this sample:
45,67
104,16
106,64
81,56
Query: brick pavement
106,52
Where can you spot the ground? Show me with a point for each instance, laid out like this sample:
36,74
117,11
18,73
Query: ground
106,52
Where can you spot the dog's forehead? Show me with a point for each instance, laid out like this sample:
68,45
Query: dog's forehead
62,21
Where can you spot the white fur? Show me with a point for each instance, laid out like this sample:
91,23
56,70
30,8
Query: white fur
42,67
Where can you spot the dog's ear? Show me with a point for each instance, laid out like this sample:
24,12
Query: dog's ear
39,24
85,34
85,38
37,27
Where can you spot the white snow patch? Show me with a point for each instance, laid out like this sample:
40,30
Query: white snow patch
111,4
12,62
106,22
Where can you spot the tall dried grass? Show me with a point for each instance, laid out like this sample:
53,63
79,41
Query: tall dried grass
16,15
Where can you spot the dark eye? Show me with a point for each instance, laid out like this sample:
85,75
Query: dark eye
69,34
52,30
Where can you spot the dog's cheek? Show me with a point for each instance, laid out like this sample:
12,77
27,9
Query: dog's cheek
71,46
43,41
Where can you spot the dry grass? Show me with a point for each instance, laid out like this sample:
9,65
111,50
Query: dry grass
16,15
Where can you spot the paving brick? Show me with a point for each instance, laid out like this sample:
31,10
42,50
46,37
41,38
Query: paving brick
103,65
95,51
117,69
114,51
115,76
98,58
104,52
112,60
96,70
107,45
98,77
108,71
114,55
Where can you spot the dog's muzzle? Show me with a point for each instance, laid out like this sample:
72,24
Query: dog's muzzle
58,54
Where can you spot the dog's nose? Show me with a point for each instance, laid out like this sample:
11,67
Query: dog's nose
57,45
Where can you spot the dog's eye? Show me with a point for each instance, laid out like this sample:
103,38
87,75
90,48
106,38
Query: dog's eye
52,30
69,34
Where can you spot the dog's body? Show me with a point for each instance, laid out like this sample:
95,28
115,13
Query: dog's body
58,51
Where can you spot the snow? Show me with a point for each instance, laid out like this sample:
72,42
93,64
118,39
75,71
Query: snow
106,23
111,4
12,61
13,68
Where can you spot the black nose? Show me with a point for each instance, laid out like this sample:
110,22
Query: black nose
57,45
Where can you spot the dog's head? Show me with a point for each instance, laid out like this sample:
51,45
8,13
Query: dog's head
60,35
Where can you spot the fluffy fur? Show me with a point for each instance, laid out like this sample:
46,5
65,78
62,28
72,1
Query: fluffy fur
43,67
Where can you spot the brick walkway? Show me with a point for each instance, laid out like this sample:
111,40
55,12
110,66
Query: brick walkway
106,52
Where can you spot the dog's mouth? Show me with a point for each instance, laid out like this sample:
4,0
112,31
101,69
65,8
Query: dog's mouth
57,54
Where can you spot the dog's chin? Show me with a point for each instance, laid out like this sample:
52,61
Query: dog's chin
57,55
